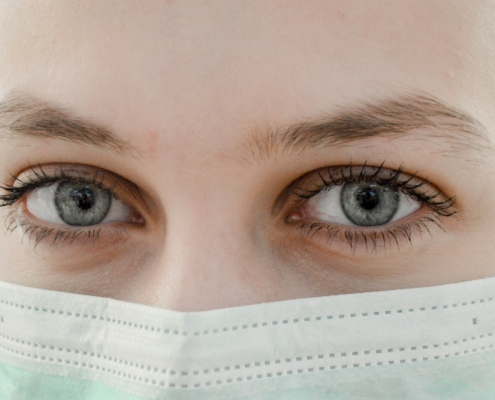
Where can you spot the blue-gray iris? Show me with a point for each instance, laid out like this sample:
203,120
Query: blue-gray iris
82,204
369,204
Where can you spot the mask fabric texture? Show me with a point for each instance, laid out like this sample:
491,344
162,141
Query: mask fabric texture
423,343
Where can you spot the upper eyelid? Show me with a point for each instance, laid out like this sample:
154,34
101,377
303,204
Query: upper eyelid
350,173
135,192
431,196
36,177
45,175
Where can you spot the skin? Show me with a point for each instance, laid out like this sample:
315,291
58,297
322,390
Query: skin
187,83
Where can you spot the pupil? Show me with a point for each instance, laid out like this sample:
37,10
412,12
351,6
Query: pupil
84,198
367,198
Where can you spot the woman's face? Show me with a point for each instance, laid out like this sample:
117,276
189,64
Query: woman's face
198,155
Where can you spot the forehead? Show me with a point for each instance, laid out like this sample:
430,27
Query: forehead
212,69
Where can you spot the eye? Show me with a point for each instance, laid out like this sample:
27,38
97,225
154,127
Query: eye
360,203
73,204
76,204
364,206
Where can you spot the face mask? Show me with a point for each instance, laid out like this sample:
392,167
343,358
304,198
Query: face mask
424,343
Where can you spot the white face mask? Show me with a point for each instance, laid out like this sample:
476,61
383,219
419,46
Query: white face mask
424,343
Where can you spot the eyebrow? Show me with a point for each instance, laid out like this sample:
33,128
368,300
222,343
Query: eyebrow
27,116
399,117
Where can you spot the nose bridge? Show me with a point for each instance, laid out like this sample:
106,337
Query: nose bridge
206,257
207,215
203,240
202,270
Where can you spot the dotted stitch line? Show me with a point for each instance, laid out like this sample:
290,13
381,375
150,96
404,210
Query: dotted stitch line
155,382
170,331
246,366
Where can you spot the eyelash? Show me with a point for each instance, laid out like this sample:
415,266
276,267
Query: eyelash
59,236
388,236
328,178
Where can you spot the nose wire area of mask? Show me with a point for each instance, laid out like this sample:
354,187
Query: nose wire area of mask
423,343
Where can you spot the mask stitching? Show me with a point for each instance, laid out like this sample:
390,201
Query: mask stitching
143,367
171,331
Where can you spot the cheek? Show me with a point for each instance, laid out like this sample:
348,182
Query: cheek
95,268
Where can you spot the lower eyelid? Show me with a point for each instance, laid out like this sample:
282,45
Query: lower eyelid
382,238
118,208
296,218
37,231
